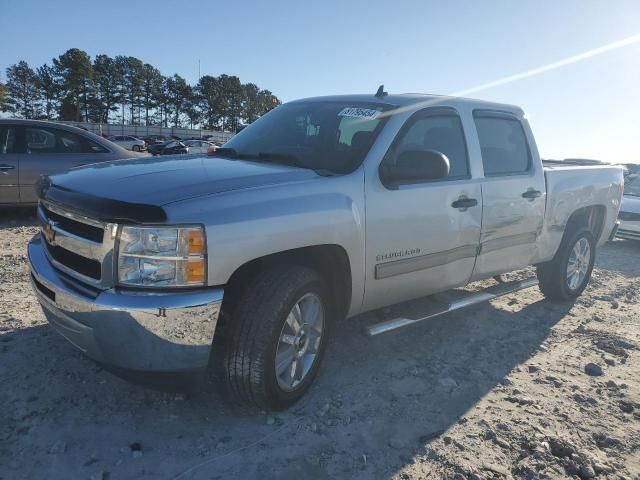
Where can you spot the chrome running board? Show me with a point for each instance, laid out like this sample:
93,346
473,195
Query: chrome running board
490,293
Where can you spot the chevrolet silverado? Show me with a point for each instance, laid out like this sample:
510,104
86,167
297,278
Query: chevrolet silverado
245,261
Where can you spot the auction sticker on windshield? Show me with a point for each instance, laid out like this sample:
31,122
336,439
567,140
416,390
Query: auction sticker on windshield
359,112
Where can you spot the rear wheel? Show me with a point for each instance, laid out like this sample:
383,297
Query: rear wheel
567,275
277,337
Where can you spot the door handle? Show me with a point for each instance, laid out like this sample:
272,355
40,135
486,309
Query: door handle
4,168
531,194
464,202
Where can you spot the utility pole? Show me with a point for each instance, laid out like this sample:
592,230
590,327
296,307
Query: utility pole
199,82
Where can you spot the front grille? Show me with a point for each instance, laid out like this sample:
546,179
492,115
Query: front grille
622,233
79,247
83,230
85,266
629,217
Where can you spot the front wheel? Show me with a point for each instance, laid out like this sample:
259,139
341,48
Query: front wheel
136,148
567,275
277,337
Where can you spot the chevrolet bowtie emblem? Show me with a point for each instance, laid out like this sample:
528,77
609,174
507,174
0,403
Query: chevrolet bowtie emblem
49,232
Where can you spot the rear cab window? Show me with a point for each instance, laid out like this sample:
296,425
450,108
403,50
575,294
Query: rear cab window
42,140
503,143
8,140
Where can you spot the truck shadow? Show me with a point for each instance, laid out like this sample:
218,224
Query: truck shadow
408,385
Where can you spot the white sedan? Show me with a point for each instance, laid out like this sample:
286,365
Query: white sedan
200,146
629,215
129,142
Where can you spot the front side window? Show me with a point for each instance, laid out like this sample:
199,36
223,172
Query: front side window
441,132
503,144
331,136
51,140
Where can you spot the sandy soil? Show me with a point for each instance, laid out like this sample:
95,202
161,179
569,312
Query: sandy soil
497,391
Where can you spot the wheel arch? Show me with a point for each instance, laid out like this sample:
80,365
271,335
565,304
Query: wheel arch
331,261
591,217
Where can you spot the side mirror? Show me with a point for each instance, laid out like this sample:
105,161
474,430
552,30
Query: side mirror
415,166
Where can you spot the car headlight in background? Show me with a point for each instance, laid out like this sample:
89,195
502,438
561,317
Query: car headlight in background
162,256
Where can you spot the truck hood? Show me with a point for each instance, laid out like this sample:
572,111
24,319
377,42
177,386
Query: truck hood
154,182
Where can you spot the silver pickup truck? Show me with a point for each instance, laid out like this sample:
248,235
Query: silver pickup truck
324,208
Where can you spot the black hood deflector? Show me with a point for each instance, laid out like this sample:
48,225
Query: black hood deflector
103,209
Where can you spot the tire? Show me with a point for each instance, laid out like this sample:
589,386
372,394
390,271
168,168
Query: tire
553,276
135,148
257,325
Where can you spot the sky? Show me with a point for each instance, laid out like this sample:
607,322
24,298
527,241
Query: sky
585,109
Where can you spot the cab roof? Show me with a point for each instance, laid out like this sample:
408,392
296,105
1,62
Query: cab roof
416,100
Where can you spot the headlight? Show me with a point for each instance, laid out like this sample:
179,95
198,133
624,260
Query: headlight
159,257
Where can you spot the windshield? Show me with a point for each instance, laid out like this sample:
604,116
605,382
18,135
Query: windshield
329,136
632,185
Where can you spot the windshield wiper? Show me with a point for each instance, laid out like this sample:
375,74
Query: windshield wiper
285,158
276,157
292,160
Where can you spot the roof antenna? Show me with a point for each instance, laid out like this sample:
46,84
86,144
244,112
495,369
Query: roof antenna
381,93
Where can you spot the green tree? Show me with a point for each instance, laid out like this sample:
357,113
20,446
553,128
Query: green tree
151,89
22,91
3,97
177,92
267,101
232,95
76,72
49,87
107,85
161,98
250,102
79,89
132,71
210,93
192,107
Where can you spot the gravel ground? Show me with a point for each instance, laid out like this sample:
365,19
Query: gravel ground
517,388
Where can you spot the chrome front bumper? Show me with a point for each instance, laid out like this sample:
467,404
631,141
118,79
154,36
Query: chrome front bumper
135,330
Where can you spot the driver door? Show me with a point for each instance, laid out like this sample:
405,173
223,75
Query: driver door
423,237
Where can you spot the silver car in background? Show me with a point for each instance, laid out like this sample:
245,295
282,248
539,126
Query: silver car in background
31,148
200,146
129,142
629,215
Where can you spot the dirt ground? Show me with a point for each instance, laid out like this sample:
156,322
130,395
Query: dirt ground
502,390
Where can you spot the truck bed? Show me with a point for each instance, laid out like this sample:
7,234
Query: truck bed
571,186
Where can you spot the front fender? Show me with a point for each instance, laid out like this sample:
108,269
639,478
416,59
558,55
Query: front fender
242,226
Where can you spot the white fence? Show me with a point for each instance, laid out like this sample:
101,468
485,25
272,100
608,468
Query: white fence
144,131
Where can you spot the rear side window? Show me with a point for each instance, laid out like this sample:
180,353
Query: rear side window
442,133
51,140
503,144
